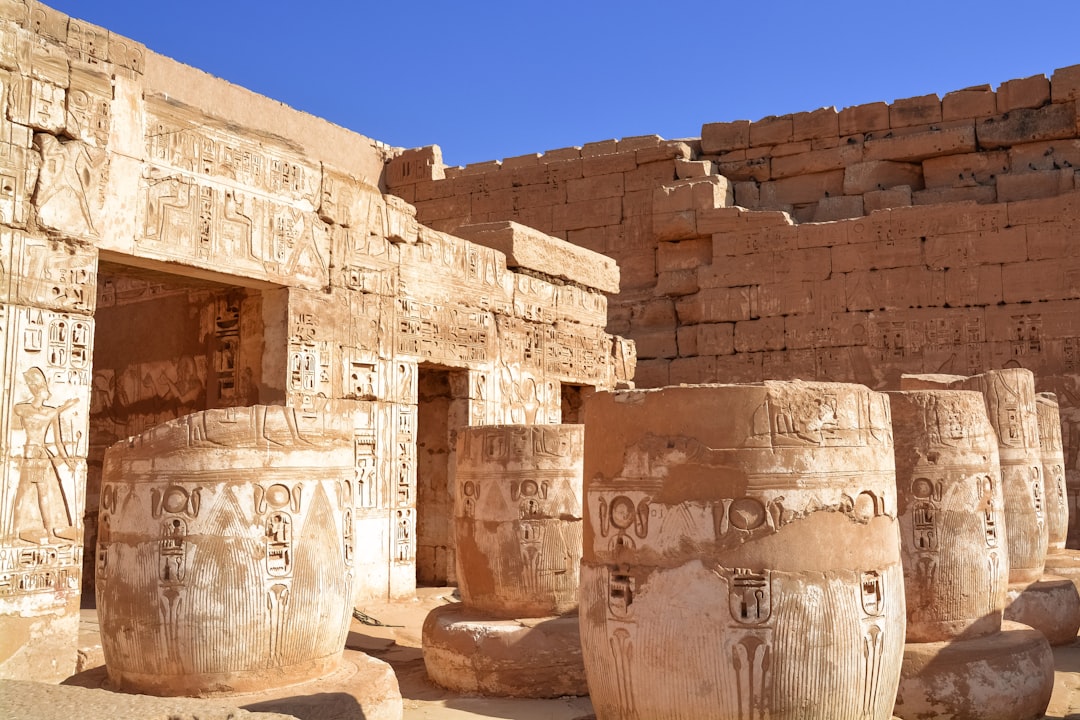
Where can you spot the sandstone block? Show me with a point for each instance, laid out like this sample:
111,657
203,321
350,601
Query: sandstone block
1044,156
969,249
880,175
714,305
652,373
724,137
1031,92
965,170
802,189
746,169
592,188
1050,240
696,193
973,286
607,164
714,338
774,130
1065,84
586,213
693,370
683,255
815,161
899,196
677,225
747,194
639,142
1025,125
686,169
1028,185
917,146
791,148
814,125
838,208
920,110
666,150
783,299
656,343
762,334
649,175
876,255
982,194
601,147
416,165
973,102
525,247
862,119
676,283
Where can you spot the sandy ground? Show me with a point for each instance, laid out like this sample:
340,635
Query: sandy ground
400,647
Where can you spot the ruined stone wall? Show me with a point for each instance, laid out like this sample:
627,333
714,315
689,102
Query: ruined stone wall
925,235
247,255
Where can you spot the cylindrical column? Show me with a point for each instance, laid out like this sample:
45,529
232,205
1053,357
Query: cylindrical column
1010,405
741,553
952,532
1053,464
517,513
225,552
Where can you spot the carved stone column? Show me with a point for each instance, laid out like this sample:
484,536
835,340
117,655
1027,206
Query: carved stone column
952,541
741,553
226,550
517,513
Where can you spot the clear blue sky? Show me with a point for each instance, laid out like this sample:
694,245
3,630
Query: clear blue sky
488,80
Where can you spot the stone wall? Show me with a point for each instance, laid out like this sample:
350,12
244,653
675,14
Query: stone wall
240,252
925,235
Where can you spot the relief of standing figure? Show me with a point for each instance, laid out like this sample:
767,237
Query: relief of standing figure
39,475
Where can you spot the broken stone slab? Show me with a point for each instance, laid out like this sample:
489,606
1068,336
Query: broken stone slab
529,249
43,701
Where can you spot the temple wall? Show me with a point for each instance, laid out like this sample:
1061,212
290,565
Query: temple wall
926,235
247,256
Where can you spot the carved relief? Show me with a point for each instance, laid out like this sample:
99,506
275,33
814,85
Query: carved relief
675,523
71,186
272,528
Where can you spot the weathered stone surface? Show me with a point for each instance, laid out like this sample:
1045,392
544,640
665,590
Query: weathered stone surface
949,499
1004,676
1053,464
533,250
469,652
225,553
41,701
724,509
1051,605
1009,395
517,510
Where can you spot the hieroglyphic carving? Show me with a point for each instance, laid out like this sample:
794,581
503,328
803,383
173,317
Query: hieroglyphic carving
36,103
89,107
947,464
1053,466
442,333
517,514
670,523
19,166
47,272
273,527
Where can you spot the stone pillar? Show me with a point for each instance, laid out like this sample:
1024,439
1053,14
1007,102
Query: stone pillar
1053,464
1009,396
46,340
956,568
226,550
741,553
517,516
1048,603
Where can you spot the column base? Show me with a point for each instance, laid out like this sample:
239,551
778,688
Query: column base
1051,605
469,653
1005,676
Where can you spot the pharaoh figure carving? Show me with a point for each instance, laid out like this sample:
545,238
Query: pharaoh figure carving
41,485
764,518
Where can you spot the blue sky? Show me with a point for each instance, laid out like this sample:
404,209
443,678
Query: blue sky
488,80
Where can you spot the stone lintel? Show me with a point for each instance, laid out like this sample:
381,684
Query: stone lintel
531,249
